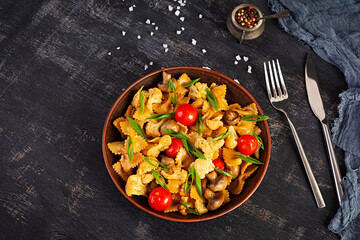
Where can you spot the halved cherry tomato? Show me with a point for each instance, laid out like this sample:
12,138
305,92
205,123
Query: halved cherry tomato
174,148
247,144
219,164
160,199
186,114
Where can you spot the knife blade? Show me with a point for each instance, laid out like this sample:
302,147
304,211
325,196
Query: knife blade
317,107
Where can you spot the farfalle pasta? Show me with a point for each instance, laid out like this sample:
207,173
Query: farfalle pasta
206,164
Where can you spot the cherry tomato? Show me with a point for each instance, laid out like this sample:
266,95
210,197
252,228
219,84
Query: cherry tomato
247,144
160,199
174,148
186,114
219,164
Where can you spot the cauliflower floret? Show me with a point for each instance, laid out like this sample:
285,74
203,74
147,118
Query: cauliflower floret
134,186
155,96
152,128
203,167
231,140
198,90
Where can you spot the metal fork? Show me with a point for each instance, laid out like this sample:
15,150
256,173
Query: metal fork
278,97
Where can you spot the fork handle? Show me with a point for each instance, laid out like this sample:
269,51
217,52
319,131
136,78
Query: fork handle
334,165
314,186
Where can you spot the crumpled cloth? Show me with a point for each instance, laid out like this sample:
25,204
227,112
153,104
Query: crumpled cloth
332,29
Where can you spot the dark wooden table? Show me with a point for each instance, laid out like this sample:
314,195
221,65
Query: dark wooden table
61,71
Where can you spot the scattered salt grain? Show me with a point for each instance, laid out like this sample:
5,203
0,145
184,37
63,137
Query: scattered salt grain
146,67
245,58
207,68
178,32
123,33
200,15
151,33
134,5
138,37
236,80
193,41
177,12
249,69
151,63
118,48
131,9
178,7
182,19
166,49
147,21
123,89
170,8
238,57
153,23
156,28
165,45
109,53
203,50
236,62
182,28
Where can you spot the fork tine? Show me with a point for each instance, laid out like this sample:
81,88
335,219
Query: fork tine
267,82
277,80
281,79
272,80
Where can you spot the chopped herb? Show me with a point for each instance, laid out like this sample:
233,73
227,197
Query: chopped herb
160,179
194,151
130,148
136,127
142,102
224,173
260,141
190,174
249,159
175,134
221,136
198,182
192,82
172,87
162,166
211,98
161,115
250,118
186,205
199,124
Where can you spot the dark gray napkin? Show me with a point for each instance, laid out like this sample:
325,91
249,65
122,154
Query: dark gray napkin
332,29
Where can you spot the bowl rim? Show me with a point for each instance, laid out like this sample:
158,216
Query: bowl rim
157,214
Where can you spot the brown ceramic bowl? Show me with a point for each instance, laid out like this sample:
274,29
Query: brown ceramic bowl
235,94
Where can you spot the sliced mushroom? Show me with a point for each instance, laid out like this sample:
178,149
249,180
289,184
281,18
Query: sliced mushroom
237,185
208,194
167,160
234,170
169,124
163,86
231,117
211,176
216,201
218,184
152,185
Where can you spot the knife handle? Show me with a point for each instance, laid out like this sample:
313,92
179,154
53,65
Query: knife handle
314,186
334,165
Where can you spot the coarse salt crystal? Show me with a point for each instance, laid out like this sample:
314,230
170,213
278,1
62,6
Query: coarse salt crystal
109,53
123,89
170,8
123,33
156,28
131,9
249,69
207,68
118,48
134,5
193,41
182,28
165,45
236,62
178,7
151,33
238,57
151,63
200,15
138,37
236,80
166,49
147,21
182,19
146,67
203,50
153,23
245,58
178,32
177,12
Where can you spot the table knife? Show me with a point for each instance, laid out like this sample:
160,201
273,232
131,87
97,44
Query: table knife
317,107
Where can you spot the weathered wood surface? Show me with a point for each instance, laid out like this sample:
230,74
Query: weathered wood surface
58,82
